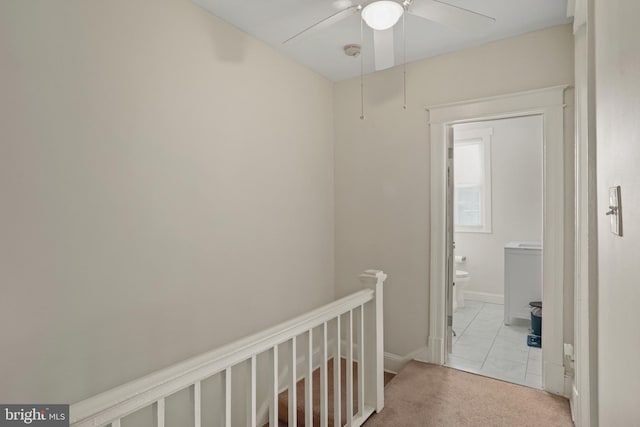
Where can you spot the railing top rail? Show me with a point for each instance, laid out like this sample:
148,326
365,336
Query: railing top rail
137,394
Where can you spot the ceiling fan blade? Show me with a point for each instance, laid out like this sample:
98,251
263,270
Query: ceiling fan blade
451,16
383,49
327,22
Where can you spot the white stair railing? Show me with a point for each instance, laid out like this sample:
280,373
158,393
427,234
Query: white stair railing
364,308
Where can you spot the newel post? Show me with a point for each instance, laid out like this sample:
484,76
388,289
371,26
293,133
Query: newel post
374,341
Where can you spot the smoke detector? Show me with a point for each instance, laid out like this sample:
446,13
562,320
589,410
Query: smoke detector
352,50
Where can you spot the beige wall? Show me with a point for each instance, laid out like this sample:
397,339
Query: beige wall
167,186
617,74
381,166
516,202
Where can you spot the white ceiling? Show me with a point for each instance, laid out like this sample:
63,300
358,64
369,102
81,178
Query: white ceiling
274,21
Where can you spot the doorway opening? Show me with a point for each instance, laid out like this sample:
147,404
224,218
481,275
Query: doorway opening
549,104
496,205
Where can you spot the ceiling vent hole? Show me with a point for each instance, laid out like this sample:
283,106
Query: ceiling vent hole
352,50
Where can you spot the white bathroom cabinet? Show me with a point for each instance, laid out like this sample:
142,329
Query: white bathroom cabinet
522,279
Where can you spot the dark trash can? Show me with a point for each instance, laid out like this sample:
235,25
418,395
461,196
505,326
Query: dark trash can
536,317
535,338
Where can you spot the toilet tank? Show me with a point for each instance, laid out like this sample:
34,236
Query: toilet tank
522,279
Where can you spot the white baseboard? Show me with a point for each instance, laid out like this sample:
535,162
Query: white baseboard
484,297
393,362
421,355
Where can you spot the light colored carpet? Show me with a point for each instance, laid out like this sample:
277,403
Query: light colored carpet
428,395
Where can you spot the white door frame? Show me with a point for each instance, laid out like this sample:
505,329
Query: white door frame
549,103
584,393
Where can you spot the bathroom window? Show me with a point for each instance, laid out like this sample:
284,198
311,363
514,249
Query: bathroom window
472,180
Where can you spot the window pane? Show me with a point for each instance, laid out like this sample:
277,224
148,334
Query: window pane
467,209
469,163
472,180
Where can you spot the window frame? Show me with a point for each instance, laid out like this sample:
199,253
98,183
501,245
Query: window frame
481,136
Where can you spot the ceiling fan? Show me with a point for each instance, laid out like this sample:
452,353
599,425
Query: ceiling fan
382,15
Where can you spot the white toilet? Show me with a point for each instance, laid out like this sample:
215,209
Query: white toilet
462,277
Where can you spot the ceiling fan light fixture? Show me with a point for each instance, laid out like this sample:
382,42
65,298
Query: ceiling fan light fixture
382,14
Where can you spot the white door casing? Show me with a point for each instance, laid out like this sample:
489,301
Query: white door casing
549,103
584,393
449,242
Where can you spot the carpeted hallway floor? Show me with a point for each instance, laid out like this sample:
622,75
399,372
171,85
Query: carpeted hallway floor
428,395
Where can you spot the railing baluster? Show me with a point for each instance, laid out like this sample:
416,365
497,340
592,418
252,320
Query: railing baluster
160,413
324,388
252,404
361,362
349,370
293,413
337,377
227,397
308,384
273,401
197,400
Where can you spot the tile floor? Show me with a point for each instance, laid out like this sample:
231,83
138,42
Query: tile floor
484,345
